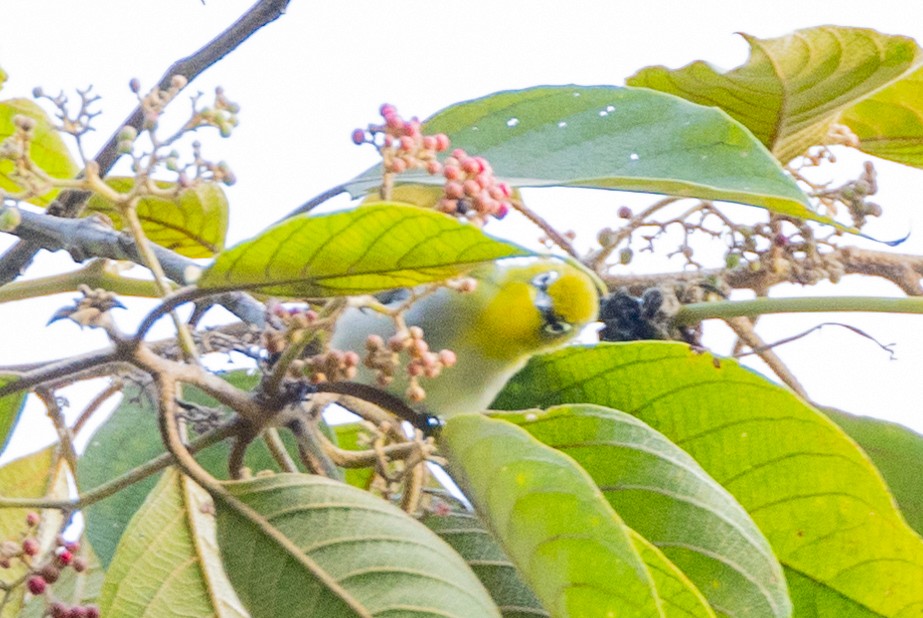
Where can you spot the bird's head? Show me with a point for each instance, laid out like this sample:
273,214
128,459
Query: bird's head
532,307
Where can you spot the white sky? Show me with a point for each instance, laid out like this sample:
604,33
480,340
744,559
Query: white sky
305,81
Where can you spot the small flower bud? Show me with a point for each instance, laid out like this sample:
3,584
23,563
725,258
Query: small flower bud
358,137
135,85
36,584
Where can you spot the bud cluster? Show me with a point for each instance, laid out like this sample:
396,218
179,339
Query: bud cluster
43,573
384,357
333,366
471,189
286,324
402,144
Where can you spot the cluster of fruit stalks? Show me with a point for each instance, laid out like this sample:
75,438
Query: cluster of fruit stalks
470,190
43,573
406,347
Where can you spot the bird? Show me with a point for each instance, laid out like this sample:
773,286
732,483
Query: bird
518,308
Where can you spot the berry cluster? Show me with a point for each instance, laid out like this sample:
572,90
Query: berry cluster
401,143
384,358
333,365
41,574
286,324
471,190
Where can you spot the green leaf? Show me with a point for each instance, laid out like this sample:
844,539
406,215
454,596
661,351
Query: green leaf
608,137
34,476
793,87
889,124
897,452
129,438
468,536
10,409
345,553
168,558
47,150
570,546
816,497
679,596
373,248
663,494
194,224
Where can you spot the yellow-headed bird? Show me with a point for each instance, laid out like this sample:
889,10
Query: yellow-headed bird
517,309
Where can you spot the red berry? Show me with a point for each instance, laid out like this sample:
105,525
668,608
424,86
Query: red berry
58,610
442,142
502,210
625,212
451,172
484,179
358,137
92,611
36,584
72,546
411,128
78,611
30,546
63,557
32,519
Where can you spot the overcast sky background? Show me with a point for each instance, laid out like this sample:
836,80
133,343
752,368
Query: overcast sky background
305,81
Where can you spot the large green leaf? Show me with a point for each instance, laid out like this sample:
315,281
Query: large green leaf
10,409
609,137
193,224
821,504
570,546
47,150
373,248
129,438
678,595
889,124
346,553
897,452
468,536
793,87
663,494
168,558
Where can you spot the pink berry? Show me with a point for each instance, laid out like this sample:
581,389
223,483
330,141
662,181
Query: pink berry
411,128
451,172
442,142
470,165
433,167
447,358
92,611
625,212
471,188
502,210
448,206
394,122
398,166
386,110
454,190
358,137
459,154
407,144
429,142
32,519
36,584
30,546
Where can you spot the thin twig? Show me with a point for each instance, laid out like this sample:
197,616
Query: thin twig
14,261
278,451
743,328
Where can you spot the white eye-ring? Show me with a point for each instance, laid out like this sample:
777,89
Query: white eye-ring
557,328
545,279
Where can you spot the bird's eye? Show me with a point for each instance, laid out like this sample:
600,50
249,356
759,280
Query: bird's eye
557,328
545,279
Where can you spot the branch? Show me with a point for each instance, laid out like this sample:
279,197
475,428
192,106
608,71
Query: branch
90,237
696,312
70,203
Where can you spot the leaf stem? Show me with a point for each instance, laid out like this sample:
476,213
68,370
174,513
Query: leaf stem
696,312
